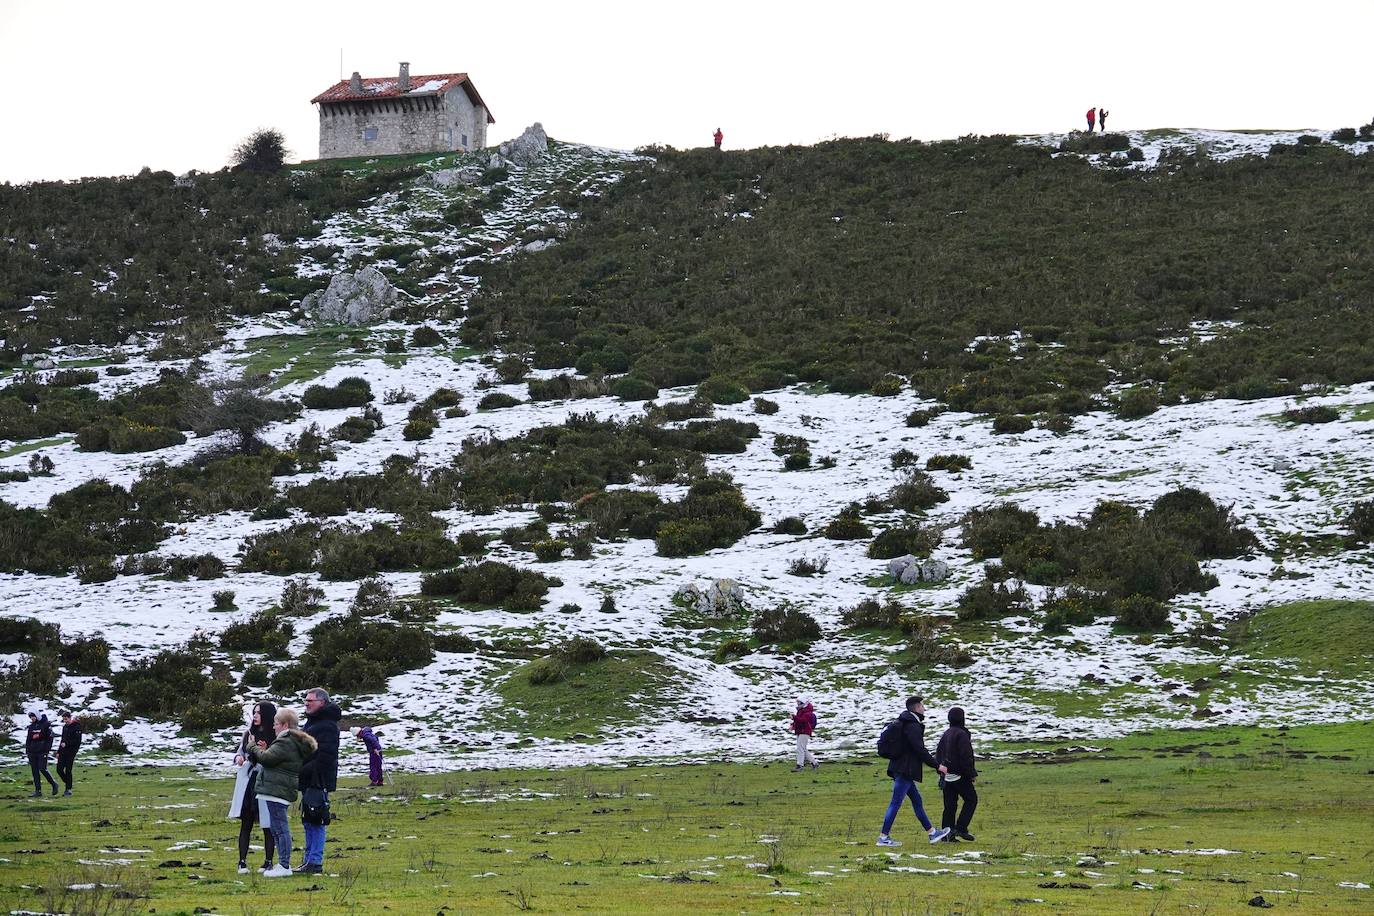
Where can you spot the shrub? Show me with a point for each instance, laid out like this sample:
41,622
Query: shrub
491,584
630,388
204,566
903,458
580,651
549,551
1057,423
695,407
712,514
1344,135
425,336
354,429
223,600
953,463
1141,612
805,566
1318,413
904,539
785,627
765,406
417,429
988,532
1204,528
88,655
925,648
511,369
100,569
28,634
111,743
870,615
264,150
351,392
683,537
797,461
497,400
442,397
887,386
70,378
719,390
846,528
922,416
730,649
1011,423
394,396
300,598
172,685
260,632
993,601
1074,607
548,670
917,492
1135,403
1360,521
256,675
352,654
790,525
34,676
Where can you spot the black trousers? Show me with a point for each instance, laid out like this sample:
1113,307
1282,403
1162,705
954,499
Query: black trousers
40,766
64,769
962,788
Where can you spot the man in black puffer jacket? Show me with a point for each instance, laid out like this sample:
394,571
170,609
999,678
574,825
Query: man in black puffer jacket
320,771
955,753
905,770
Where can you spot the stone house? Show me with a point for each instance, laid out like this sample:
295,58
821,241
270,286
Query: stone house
379,116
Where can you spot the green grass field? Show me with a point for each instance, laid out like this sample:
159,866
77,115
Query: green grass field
1173,822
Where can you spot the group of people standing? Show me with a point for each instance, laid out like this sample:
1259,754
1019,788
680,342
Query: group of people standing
903,743
1099,116
38,748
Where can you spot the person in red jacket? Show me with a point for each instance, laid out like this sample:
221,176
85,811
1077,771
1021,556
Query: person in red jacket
1092,118
718,137
804,726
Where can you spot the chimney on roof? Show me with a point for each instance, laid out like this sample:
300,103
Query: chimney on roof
355,83
403,84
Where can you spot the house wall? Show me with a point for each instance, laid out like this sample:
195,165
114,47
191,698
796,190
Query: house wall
411,125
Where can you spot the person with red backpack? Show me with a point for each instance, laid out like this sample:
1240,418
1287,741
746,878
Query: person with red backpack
1092,118
903,743
804,726
718,137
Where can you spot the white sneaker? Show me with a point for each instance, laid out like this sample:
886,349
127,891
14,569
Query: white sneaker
938,833
243,869
277,871
885,840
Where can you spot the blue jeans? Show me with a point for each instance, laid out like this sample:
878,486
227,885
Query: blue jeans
314,844
902,787
281,832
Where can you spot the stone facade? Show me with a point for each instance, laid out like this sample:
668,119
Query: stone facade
404,114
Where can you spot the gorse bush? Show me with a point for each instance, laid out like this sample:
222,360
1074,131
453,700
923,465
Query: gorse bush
261,632
491,584
870,615
988,532
915,540
953,463
350,392
172,684
785,627
1318,413
353,654
917,492
1360,521
993,601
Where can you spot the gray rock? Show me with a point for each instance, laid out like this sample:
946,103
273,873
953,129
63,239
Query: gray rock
540,244
45,363
443,179
495,162
362,298
529,147
897,566
911,575
721,598
934,571
908,570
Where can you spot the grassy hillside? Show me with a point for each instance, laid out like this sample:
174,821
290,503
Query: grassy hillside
855,258
1333,636
1172,822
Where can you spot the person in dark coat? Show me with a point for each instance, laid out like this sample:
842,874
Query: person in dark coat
374,754
67,748
1102,118
905,770
37,747
957,773
245,806
321,770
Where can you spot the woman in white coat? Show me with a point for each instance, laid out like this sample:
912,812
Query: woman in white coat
245,805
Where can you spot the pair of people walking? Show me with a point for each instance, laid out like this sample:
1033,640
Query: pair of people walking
38,747
294,761
1098,115
902,742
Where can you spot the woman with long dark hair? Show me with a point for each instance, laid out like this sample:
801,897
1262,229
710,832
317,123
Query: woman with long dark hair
245,805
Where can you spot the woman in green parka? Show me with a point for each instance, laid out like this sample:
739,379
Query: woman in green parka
281,766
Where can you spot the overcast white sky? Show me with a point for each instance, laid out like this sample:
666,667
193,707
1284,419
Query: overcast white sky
94,88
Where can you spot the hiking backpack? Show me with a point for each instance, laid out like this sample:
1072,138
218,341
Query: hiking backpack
890,740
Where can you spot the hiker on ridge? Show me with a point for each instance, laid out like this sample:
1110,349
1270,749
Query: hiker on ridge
37,747
804,726
903,744
957,773
718,137
1102,118
374,754
67,748
1092,116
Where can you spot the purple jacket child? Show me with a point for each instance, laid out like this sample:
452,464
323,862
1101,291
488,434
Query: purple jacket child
374,754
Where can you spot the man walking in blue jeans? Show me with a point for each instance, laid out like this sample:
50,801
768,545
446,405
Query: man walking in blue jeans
321,770
905,769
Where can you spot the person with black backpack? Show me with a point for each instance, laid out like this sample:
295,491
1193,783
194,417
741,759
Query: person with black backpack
957,773
903,743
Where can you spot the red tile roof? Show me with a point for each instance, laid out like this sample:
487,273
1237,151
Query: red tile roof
384,87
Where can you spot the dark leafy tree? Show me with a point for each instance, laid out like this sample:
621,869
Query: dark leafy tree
264,150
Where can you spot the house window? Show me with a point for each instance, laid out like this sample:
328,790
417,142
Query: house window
465,141
369,133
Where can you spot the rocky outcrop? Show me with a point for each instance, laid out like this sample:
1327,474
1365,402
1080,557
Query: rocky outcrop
366,297
721,598
444,179
908,570
529,147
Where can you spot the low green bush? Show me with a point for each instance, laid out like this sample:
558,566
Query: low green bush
870,615
1135,403
785,627
1360,521
1318,413
497,400
1073,607
354,429
899,541
992,601
1011,423
350,392
630,388
350,653
846,528
797,461
731,649
765,406
790,525
426,336
1141,613
28,634
988,532
172,684
87,655
922,416
917,492
491,584
263,632
953,463
416,430
720,390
